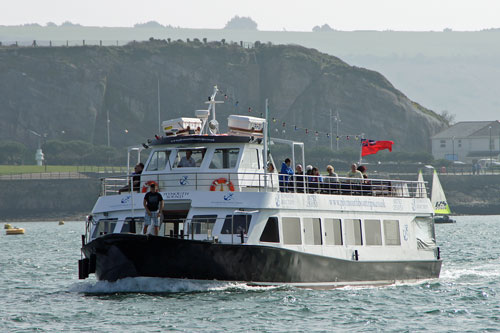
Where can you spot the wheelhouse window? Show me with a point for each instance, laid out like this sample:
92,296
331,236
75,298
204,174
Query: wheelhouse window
373,233
391,232
271,232
333,232
104,226
158,160
312,231
225,158
189,158
200,224
291,231
353,233
239,223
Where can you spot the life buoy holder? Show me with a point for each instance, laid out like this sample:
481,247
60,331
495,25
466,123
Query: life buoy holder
221,182
148,184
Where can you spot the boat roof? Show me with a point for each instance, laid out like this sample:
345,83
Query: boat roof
204,139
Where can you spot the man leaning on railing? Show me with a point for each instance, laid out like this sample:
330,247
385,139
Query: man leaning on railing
136,179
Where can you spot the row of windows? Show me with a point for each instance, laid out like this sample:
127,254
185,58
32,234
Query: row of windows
312,234
442,143
223,158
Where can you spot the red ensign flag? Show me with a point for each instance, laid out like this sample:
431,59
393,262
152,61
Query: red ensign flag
372,147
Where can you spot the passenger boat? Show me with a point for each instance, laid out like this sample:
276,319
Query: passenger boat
227,218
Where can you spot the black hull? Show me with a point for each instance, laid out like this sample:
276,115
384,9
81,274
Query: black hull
126,255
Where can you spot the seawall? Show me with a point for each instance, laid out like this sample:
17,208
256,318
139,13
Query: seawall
39,200
59,199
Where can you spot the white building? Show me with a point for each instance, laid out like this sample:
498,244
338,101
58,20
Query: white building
467,141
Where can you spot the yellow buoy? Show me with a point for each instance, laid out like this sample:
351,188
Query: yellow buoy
61,222
7,226
15,231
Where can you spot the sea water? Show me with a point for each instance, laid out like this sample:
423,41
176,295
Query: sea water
40,291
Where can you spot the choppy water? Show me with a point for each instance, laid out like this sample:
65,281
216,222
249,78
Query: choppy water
40,291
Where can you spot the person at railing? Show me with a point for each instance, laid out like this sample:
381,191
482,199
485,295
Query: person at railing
315,181
366,187
136,180
153,204
356,179
299,178
187,161
331,182
285,176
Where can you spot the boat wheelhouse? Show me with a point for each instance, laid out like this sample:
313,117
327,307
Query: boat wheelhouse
226,217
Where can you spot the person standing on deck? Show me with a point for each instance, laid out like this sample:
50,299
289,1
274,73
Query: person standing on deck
153,203
286,174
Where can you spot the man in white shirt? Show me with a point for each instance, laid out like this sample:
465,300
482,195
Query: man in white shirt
187,161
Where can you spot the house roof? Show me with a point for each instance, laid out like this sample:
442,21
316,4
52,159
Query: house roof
466,129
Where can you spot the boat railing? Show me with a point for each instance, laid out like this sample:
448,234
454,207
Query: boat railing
271,182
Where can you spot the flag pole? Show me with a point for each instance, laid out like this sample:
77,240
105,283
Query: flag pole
361,149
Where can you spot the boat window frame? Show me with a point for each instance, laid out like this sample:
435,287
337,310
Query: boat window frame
335,237
168,165
312,222
227,219
350,224
298,230
367,222
398,233
271,229
174,166
114,220
212,155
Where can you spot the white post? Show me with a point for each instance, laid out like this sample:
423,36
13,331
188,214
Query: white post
159,112
361,148
337,120
331,132
107,122
266,137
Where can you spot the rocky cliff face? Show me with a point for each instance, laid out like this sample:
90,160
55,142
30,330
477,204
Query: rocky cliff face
68,92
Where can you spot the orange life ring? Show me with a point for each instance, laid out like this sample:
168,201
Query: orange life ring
148,183
222,181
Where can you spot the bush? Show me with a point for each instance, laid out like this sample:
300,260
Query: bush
12,152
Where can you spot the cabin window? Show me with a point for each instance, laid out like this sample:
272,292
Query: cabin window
158,160
200,224
132,225
373,233
333,232
391,232
353,235
250,159
239,222
104,226
271,231
291,231
312,231
189,158
225,158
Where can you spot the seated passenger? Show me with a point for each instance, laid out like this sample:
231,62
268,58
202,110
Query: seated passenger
330,183
315,181
136,179
299,178
286,174
357,179
366,188
187,161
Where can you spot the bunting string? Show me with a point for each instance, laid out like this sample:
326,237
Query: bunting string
275,122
